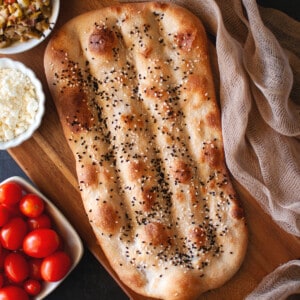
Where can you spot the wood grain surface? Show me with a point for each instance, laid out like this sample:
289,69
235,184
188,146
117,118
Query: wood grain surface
48,161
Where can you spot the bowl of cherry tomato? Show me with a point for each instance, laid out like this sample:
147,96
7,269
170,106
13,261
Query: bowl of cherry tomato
38,246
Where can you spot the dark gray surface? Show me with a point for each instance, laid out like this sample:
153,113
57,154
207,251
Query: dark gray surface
290,7
89,281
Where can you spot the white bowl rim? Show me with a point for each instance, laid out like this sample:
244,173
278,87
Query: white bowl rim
19,47
13,64
77,252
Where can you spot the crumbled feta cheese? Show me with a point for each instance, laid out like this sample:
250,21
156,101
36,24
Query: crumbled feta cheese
18,103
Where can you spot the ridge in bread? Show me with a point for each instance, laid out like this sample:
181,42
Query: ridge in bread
134,92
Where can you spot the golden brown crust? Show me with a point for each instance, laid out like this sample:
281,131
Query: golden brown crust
134,92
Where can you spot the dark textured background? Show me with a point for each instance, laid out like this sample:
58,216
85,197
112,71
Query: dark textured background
89,281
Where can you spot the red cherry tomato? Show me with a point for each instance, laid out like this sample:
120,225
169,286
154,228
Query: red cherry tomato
31,205
55,266
10,193
13,233
42,221
13,293
1,280
32,287
16,267
13,210
3,254
40,243
4,215
35,268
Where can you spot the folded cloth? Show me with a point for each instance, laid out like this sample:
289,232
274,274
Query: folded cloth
280,284
258,57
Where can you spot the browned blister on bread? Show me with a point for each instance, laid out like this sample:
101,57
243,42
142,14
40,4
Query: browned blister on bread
134,92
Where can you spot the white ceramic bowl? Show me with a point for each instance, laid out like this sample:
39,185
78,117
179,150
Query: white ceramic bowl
19,47
72,242
9,63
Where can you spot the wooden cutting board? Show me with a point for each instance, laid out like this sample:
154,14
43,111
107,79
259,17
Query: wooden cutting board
47,160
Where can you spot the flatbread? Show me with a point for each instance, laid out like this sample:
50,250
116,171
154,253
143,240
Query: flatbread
135,96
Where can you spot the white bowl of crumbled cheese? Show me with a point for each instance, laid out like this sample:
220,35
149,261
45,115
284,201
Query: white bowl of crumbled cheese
22,103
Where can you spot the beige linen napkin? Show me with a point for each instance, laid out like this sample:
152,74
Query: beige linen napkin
258,53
